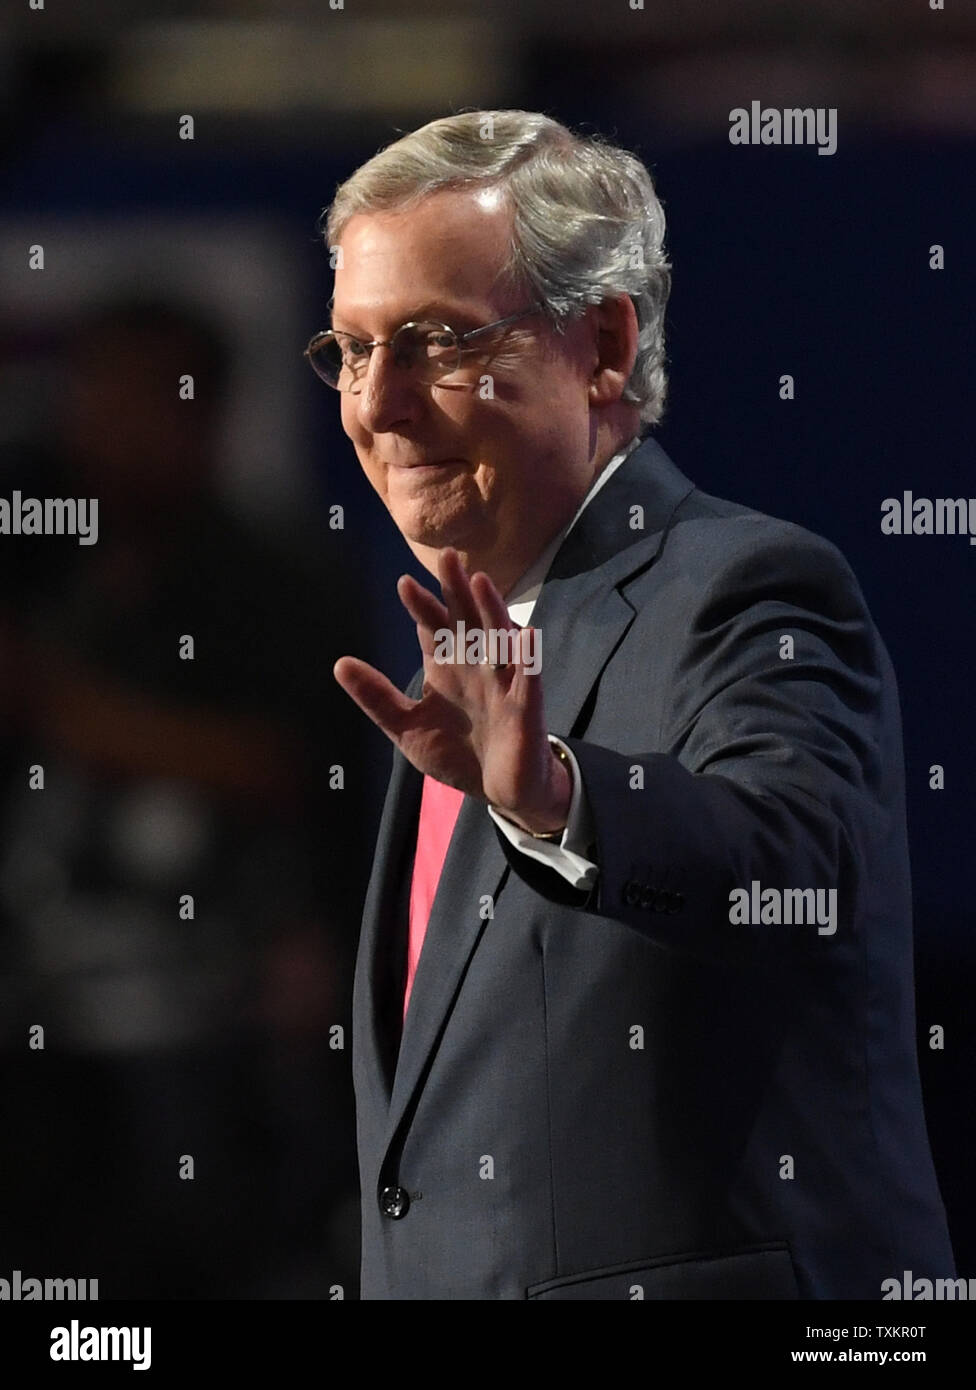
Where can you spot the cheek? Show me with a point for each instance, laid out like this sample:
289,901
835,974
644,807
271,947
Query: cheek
375,475
349,418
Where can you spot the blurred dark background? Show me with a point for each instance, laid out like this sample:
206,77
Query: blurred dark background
244,777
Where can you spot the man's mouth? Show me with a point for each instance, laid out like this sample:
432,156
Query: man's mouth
429,463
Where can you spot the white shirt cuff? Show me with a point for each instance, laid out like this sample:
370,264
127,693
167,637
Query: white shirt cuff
567,855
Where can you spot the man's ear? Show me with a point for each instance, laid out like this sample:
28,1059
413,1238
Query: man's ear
615,330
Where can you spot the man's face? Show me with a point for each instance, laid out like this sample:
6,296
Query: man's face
493,471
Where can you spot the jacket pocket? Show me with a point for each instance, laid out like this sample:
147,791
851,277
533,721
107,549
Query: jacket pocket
760,1272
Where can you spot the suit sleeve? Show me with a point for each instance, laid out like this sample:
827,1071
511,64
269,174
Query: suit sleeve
767,767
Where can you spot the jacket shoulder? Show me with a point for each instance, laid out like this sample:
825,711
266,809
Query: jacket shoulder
727,543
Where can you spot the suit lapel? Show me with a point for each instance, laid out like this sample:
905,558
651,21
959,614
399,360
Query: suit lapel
581,612
582,617
375,1006
474,867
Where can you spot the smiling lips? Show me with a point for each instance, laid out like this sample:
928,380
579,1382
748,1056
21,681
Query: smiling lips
437,463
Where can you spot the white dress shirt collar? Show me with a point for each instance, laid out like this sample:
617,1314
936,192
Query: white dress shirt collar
526,591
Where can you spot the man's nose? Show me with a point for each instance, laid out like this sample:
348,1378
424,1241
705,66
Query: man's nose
389,392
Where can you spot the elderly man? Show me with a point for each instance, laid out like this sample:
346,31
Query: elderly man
633,1007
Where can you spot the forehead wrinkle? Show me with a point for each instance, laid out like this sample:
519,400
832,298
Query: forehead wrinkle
454,251
453,315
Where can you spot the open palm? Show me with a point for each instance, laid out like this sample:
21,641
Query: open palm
477,728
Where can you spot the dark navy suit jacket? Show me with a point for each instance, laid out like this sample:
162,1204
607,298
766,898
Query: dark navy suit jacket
623,1093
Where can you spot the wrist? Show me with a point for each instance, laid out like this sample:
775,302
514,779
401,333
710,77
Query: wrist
549,822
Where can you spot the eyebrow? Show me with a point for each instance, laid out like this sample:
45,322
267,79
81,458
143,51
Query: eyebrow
430,309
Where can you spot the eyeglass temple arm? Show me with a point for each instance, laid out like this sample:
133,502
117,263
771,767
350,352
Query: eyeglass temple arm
522,314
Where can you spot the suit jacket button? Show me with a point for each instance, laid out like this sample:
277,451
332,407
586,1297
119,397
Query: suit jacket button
394,1202
632,893
662,901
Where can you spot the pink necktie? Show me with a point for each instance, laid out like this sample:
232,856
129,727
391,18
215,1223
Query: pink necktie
439,807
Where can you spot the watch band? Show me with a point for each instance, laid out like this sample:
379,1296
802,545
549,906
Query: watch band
553,836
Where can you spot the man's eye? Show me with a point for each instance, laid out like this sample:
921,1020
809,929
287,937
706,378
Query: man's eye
355,348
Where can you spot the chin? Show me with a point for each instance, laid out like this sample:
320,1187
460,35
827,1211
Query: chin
436,527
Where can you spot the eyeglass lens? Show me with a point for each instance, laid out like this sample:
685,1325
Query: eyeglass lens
428,349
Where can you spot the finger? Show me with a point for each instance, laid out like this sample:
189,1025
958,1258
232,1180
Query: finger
423,606
426,642
375,695
456,588
525,689
494,618
492,609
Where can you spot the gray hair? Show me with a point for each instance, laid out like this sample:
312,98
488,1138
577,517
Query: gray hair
587,224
